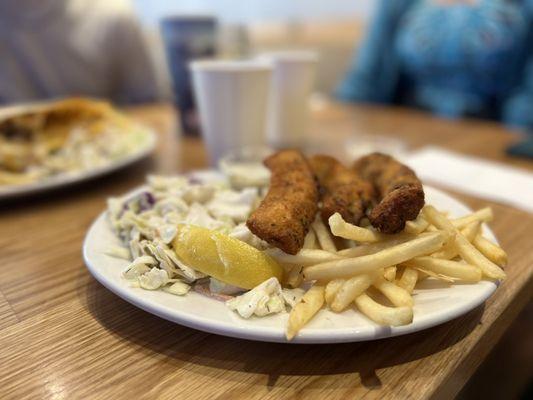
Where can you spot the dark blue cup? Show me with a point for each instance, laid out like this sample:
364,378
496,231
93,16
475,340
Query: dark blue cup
187,38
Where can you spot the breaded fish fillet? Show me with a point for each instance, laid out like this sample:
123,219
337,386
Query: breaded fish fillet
342,190
285,214
399,189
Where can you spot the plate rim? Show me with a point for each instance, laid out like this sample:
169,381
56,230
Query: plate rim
274,334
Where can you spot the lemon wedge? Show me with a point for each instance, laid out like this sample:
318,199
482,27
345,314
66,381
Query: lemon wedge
225,258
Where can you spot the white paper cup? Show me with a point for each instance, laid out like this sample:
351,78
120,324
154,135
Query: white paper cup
292,83
232,97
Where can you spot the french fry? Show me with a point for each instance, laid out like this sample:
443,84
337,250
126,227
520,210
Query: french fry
294,277
408,279
323,235
393,316
310,240
385,258
351,289
452,269
465,249
471,230
332,288
396,294
483,215
417,225
440,221
430,274
339,227
304,256
371,248
449,250
473,256
390,273
311,302
491,250
422,276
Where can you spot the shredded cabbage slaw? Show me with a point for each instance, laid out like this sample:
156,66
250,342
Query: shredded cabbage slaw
146,223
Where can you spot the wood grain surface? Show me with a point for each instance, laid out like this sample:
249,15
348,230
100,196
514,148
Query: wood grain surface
64,336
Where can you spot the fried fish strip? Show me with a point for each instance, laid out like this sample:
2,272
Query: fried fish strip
284,216
398,187
341,189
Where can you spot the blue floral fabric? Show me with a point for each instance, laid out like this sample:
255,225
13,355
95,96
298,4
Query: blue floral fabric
454,60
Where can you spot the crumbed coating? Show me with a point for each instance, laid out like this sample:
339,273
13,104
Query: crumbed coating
341,189
284,216
399,189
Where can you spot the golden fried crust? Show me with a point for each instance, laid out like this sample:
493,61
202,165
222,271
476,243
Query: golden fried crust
342,190
398,187
285,214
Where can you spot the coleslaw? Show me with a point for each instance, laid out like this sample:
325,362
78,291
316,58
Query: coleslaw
146,223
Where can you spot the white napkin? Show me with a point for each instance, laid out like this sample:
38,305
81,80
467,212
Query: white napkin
474,176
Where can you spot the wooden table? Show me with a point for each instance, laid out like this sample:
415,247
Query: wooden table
64,336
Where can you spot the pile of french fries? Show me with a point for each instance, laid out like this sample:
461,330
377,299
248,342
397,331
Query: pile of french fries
351,265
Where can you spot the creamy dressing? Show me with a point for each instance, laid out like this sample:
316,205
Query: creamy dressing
246,174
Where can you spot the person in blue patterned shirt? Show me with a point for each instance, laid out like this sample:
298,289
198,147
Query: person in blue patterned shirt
452,57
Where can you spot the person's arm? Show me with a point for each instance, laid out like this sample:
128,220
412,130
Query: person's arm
134,73
518,108
373,75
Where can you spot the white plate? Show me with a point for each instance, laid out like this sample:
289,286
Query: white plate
435,303
69,178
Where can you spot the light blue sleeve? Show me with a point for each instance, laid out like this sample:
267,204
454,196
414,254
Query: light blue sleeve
518,109
374,72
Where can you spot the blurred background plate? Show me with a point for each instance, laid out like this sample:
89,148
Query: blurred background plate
146,147
435,303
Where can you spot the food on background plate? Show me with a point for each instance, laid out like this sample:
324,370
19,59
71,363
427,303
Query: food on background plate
204,233
401,196
42,140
